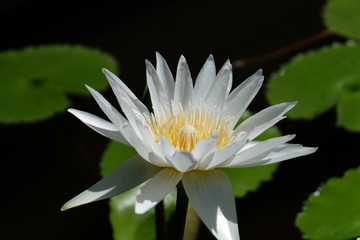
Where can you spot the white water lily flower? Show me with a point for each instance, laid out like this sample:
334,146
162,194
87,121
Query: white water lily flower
189,137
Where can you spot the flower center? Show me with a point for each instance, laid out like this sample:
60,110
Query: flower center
185,129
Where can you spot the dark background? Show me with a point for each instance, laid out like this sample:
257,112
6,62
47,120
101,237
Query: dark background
44,164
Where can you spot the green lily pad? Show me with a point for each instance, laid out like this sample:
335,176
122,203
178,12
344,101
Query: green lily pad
320,80
125,223
342,17
333,212
114,155
245,180
346,111
128,225
34,81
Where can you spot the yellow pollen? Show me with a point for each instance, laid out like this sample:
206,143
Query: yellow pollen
186,128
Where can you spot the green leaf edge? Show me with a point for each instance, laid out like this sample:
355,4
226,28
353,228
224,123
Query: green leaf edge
339,90
342,26
59,91
313,198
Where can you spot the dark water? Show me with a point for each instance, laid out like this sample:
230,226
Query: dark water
49,162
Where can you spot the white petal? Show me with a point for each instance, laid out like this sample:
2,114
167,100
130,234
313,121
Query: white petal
151,148
280,153
288,151
107,108
215,97
141,148
166,146
130,134
126,131
147,135
118,120
128,175
156,189
204,151
157,160
211,195
182,161
183,85
161,150
223,155
116,84
133,114
159,94
138,134
239,99
165,75
205,147
204,80
258,151
100,125
230,82
261,121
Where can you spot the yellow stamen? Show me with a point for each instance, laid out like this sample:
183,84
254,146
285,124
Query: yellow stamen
185,129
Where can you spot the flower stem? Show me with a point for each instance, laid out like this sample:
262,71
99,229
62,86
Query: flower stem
283,51
160,221
180,213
